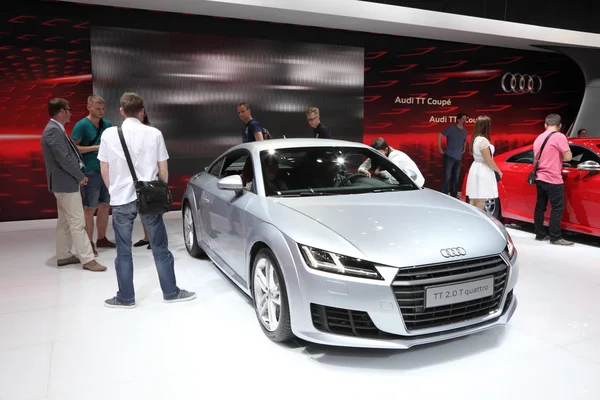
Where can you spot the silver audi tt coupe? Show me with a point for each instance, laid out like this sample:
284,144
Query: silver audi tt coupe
340,257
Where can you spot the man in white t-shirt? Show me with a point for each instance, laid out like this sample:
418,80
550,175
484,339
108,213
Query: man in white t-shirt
402,160
149,158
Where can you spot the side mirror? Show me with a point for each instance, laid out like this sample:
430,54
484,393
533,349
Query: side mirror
589,166
231,182
412,174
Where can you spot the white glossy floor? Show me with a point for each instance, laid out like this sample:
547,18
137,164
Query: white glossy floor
58,341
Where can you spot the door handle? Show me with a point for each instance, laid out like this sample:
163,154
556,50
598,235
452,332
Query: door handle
205,199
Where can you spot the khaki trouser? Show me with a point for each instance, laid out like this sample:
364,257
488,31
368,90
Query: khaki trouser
70,228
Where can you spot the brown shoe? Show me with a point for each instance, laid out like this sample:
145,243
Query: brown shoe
94,266
105,243
67,261
94,249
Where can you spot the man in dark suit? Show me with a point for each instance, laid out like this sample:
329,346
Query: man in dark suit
64,173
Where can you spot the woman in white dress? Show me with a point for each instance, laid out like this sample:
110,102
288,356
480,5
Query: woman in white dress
481,183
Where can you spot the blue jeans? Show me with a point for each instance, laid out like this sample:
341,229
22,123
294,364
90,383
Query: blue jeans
451,175
123,217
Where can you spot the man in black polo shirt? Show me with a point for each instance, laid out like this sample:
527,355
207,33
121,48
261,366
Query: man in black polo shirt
321,130
252,130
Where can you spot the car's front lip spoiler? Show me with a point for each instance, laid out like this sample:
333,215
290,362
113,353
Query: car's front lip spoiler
316,336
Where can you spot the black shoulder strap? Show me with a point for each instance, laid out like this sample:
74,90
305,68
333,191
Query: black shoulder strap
544,145
97,134
127,156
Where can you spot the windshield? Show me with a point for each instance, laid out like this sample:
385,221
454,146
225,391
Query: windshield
319,171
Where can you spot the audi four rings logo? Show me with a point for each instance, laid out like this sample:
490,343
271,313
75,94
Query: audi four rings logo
521,83
453,252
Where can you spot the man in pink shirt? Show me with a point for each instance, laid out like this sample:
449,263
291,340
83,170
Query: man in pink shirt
549,181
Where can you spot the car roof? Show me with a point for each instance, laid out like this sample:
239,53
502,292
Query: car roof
591,143
295,142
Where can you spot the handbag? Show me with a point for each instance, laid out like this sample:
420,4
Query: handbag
152,197
497,176
532,175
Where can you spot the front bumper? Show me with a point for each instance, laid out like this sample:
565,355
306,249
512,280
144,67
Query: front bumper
357,297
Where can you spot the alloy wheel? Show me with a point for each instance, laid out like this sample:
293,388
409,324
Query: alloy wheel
188,228
267,294
490,206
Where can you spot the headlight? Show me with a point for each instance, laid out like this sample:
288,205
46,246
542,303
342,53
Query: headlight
335,263
510,247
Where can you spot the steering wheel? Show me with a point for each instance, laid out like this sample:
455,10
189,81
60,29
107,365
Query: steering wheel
349,177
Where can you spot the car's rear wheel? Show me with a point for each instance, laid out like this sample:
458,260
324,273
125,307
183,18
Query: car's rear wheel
270,297
189,232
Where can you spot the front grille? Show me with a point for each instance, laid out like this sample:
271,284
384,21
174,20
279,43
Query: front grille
409,288
344,322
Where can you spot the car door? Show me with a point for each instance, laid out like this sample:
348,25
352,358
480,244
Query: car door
582,189
226,214
520,196
204,192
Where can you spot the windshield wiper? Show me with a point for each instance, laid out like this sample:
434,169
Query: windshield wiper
385,190
311,193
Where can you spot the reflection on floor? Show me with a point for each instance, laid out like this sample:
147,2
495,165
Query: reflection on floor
57,341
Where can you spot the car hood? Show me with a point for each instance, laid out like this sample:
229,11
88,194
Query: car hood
396,228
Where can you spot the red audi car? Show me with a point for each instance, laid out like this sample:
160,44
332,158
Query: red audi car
516,199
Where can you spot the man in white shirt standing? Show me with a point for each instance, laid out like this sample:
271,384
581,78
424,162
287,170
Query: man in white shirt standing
64,167
149,157
402,160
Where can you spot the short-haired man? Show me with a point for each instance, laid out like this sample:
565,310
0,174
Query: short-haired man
582,133
63,171
253,130
401,159
149,156
456,144
549,181
314,120
86,135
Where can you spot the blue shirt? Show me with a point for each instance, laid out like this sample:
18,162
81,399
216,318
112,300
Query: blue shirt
455,141
249,130
85,131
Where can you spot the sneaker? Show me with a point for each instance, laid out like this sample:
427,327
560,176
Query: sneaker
105,243
183,295
116,303
67,261
94,266
562,242
541,239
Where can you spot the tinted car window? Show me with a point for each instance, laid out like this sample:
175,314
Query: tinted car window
522,158
216,168
581,154
315,171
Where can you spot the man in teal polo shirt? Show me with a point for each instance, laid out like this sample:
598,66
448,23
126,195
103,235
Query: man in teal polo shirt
86,135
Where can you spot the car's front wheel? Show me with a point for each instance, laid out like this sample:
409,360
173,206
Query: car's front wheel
270,297
492,207
189,232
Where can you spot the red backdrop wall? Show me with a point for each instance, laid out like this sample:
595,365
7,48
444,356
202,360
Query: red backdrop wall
440,79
